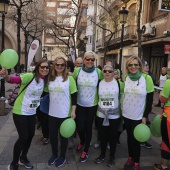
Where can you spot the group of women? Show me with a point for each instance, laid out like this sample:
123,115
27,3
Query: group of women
87,92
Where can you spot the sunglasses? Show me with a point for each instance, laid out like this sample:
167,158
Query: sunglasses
90,59
43,67
135,64
107,71
62,65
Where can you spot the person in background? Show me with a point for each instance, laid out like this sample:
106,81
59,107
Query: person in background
63,99
70,67
24,110
99,67
78,62
31,67
87,78
136,104
108,62
165,131
163,77
108,109
147,71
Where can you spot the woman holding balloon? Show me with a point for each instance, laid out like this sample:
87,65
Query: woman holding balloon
24,110
63,98
165,130
136,106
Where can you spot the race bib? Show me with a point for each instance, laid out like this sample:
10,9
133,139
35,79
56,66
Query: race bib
107,103
34,104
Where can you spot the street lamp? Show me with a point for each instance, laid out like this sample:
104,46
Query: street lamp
3,10
123,13
85,39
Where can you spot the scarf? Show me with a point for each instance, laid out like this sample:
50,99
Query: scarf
135,77
88,70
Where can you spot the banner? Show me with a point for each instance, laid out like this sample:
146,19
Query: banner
32,50
72,54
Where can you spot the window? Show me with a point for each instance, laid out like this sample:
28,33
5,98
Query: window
62,11
155,13
51,13
51,4
63,4
49,40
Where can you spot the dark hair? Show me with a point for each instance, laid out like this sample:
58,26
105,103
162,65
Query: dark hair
70,65
99,67
36,70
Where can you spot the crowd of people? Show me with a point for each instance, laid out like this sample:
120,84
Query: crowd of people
87,93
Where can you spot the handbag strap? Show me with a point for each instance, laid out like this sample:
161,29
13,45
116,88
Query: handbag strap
24,88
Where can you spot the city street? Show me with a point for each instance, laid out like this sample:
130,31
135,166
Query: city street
39,153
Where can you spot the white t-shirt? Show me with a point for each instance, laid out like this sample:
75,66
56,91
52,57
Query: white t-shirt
60,96
134,98
108,97
87,88
162,80
29,100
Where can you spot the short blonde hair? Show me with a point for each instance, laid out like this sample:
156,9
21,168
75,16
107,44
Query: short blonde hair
89,53
134,58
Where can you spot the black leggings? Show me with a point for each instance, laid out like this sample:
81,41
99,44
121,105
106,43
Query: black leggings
134,148
84,120
25,126
108,133
54,127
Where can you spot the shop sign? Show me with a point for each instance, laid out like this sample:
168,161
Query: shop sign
164,5
167,48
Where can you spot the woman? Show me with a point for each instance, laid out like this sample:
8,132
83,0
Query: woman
63,98
163,77
137,103
165,131
108,107
24,110
87,78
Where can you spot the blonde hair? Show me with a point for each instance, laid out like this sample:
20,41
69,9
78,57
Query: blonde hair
89,53
54,74
134,58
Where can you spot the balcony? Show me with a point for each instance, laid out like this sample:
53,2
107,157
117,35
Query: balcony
130,35
100,44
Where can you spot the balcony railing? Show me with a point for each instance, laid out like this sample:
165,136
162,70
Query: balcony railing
129,34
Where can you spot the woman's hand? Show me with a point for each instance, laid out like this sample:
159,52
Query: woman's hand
73,115
4,74
144,120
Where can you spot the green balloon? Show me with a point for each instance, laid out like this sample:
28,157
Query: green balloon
155,126
142,133
8,58
68,128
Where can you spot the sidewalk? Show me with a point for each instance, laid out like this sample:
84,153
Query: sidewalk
39,153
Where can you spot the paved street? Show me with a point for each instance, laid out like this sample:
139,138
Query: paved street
39,153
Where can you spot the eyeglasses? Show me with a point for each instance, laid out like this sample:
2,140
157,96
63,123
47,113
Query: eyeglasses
62,65
43,67
90,59
107,71
135,64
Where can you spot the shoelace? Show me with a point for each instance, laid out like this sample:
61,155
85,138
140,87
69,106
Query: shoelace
83,155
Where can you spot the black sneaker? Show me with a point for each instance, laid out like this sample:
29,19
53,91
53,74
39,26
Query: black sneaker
84,157
52,160
100,159
60,162
147,145
12,167
26,163
111,162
